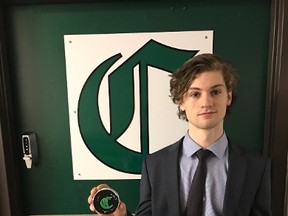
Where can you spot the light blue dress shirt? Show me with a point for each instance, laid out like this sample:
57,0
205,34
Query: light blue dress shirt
217,169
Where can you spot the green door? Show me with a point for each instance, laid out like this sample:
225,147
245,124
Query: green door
37,65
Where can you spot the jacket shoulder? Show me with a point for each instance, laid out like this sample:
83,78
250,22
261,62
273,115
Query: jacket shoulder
250,155
176,146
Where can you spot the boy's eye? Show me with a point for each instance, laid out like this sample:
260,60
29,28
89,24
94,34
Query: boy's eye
195,94
216,92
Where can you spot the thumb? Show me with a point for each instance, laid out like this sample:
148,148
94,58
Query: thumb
121,209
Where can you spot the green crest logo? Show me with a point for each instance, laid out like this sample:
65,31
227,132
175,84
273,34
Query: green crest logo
104,203
102,143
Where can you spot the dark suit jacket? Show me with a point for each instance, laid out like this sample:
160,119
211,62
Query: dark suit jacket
247,188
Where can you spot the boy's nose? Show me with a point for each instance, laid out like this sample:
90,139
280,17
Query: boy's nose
207,101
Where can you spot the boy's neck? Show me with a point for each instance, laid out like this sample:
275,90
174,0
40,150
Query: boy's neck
205,138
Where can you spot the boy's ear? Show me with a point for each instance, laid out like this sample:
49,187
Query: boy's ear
181,107
229,98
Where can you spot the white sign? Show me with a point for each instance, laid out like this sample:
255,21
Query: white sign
99,59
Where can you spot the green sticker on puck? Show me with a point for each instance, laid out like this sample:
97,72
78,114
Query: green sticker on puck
106,201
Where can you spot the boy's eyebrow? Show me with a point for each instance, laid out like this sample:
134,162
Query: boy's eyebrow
213,87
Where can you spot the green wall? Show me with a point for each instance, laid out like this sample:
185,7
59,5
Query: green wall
37,66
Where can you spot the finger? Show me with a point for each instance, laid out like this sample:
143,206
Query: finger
90,199
101,186
92,208
122,208
92,193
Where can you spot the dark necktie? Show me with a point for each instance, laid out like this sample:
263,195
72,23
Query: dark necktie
197,188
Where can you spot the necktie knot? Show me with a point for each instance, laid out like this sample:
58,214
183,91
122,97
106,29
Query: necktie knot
203,154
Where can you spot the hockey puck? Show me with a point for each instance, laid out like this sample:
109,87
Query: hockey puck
106,201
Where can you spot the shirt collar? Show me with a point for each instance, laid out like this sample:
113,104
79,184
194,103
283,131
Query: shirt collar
218,147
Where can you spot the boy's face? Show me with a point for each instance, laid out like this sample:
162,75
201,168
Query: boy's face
206,101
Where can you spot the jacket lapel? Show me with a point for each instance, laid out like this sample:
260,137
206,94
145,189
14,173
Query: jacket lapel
172,178
235,180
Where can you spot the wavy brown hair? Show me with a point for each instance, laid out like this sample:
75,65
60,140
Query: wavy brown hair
183,77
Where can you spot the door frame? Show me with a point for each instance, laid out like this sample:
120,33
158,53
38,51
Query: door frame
276,115
276,124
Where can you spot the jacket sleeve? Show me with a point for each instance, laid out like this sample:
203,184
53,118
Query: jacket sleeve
145,204
262,204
